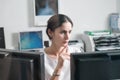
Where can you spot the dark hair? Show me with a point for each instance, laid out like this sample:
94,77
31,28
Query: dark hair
56,21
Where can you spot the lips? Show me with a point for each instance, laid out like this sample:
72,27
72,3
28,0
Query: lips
65,42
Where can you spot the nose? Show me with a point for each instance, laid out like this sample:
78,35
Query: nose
67,36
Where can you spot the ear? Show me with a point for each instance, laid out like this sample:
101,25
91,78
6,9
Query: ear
50,33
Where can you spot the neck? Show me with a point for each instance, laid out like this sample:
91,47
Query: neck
55,49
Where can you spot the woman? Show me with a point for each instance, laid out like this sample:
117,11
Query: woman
57,56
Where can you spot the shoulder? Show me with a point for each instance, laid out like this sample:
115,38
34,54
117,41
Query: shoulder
74,49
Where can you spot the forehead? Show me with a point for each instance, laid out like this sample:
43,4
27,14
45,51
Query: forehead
65,26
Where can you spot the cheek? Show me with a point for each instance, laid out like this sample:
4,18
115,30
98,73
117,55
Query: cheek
58,38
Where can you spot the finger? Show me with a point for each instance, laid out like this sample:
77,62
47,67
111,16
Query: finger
64,50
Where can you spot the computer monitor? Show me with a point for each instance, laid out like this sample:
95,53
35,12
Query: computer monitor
115,64
18,65
90,66
98,65
2,38
30,40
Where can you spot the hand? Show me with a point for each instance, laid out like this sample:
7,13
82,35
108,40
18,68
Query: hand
60,61
64,54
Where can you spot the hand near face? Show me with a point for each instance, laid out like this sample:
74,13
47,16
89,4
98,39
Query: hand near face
64,54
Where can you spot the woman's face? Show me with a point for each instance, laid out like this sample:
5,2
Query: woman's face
61,35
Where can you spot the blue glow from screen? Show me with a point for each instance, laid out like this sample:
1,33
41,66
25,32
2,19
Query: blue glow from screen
31,40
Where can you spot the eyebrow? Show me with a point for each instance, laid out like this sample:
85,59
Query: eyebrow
66,30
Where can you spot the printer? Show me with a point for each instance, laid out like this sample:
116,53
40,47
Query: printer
77,43
101,42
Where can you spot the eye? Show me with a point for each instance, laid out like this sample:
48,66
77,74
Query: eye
70,31
63,32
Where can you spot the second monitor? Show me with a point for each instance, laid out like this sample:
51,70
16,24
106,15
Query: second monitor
30,40
18,65
89,66
98,65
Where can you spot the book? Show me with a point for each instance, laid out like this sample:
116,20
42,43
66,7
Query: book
98,33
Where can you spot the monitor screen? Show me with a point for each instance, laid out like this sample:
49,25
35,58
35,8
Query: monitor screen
31,40
92,66
18,65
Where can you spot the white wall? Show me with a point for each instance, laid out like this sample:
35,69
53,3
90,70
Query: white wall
17,15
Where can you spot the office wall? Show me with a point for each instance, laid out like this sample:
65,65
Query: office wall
17,15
